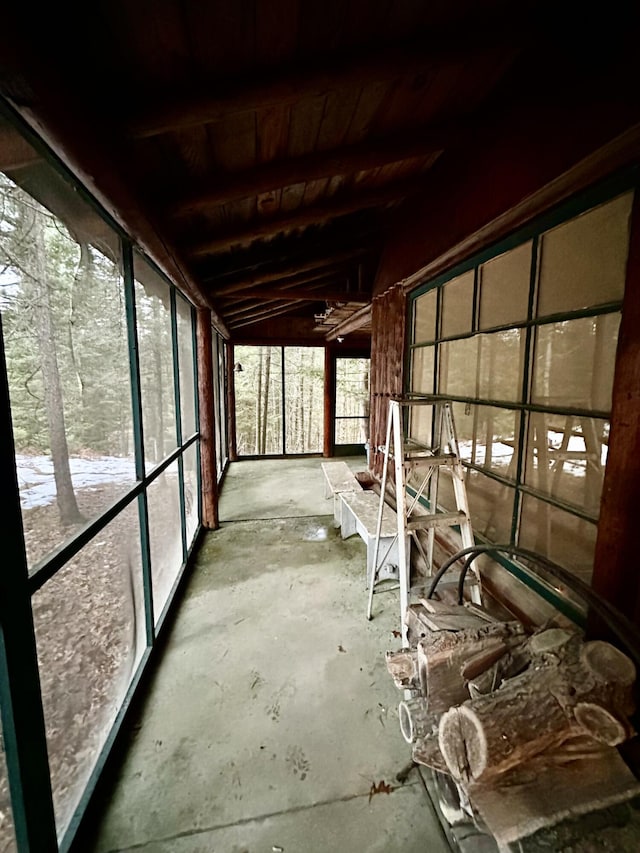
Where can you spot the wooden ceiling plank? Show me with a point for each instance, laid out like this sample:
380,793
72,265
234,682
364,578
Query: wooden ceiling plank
339,111
372,96
313,215
272,139
222,36
277,27
292,84
344,160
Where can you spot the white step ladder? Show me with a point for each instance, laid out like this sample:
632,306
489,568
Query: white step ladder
409,456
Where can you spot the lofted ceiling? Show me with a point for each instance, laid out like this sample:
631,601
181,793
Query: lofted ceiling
261,151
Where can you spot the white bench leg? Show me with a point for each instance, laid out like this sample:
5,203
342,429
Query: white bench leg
348,523
337,510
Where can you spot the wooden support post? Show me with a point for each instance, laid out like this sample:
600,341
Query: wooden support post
615,576
231,404
208,469
329,401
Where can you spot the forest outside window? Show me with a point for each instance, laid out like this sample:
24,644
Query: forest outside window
524,341
279,400
85,320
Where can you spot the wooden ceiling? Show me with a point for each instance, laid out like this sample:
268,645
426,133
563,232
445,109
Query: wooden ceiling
261,149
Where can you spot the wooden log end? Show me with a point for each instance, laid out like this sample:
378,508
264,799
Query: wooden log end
463,743
600,723
607,663
548,641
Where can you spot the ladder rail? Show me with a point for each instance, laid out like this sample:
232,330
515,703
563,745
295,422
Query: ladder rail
444,453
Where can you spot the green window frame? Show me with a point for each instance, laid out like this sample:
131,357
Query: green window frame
439,352
23,723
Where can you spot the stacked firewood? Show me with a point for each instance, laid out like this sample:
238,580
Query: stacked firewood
484,698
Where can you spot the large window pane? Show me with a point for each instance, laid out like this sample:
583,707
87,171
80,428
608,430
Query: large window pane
7,835
488,437
185,361
501,365
156,362
258,400
422,367
90,635
421,426
458,366
566,458
191,493
583,261
65,337
564,538
425,317
574,363
165,535
490,505
504,288
222,403
352,400
304,399
457,306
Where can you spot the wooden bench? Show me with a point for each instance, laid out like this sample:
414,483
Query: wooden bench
339,478
360,515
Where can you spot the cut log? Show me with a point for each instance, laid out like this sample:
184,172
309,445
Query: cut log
443,655
600,723
514,662
555,699
403,668
426,750
494,733
482,661
548,641
607,663
415,720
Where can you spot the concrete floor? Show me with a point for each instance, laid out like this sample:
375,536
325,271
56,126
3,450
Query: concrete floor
272,714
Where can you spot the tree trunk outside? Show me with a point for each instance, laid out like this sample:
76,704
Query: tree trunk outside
259,404
53,399
265,409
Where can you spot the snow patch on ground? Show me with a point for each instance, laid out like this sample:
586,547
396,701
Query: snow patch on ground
37,485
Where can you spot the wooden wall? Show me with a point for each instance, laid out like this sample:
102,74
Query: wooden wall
388,322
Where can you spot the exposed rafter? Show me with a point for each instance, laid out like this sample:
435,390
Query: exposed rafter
322,164
15,151
325,292
288,281
263,315
313,215
291,84
319,256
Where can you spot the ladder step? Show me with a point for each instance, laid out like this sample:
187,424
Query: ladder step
431,461
438,519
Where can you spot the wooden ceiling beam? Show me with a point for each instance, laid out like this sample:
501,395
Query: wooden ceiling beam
313,215
322,164
360,318
293,83
274,312
290,266
288,282
254,308
324,294
15,151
